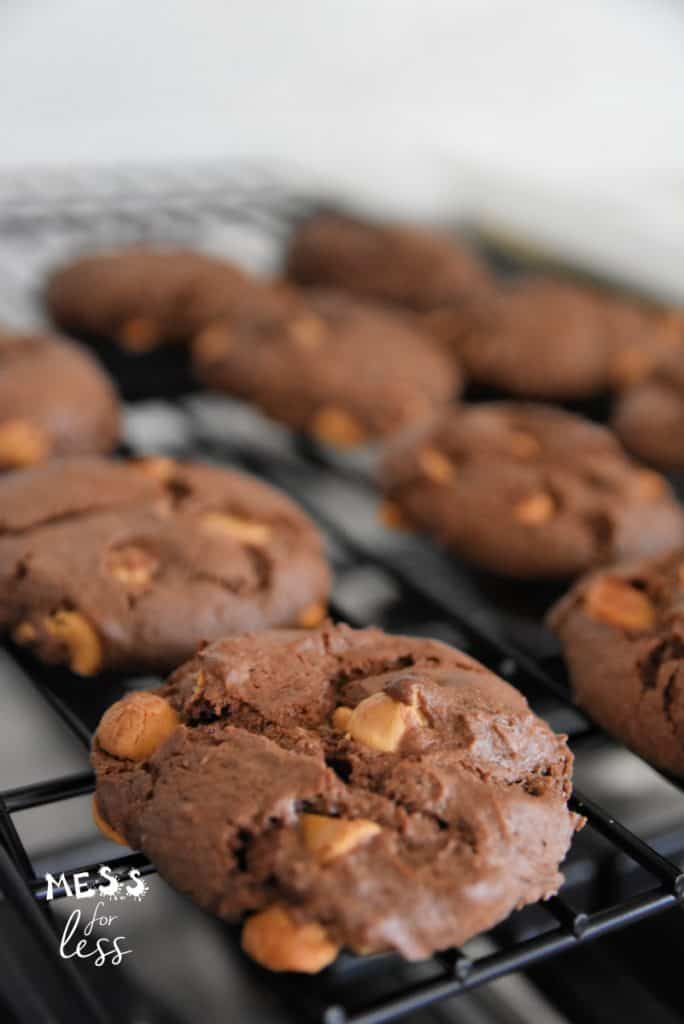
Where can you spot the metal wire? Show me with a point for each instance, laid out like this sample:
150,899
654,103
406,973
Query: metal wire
302,469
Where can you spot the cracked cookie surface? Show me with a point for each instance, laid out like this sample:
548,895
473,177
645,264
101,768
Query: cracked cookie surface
344,788
392,263
329,365
130,565
54,400
622,631
142,297
530,491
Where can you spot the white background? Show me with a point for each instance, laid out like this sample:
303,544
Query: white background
563,120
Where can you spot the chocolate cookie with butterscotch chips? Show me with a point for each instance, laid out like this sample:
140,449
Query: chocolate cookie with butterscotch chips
529,491
129,566
334,367
142,296
391,263
54,400
341,788
547,338
649,416
622,631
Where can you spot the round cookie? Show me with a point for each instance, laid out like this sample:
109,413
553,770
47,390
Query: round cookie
546,338
639,337
130,565
54,400
341,370
389,262
649,416
529,491
344,788
143,297
622,631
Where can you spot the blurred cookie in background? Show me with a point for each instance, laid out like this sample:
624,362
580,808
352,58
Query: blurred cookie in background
392,263
528,491
142,297
130,565
137,307
341,370
542,337
639,337
649,415
54,400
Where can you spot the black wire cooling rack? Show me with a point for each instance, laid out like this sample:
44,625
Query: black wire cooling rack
400,582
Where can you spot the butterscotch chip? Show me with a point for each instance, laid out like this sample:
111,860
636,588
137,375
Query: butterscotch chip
616,602
131,565
275,940
255,800
307,331
341,718
244,530
337,427
629,678
380,722
105,828
141,566
651,484
134,727
330,366
436,466
54,400
327,838
158,466
22,443
73,631
541,493
535,510
311,616
391,515
140,334
24,633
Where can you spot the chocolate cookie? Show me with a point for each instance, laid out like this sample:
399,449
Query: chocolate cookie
54,400
546,338
649,416
529,491
334,367
142,297
622,631
639,337
389,262
130,565
344,788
